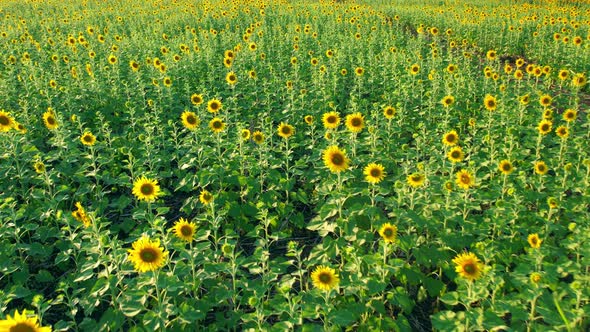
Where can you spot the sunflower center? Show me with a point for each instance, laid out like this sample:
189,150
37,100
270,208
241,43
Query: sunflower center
325,278
356,122
545,127
4,120
465,179
541,168
191,119
469,268
217,124
214,106
451,138
87,138
232,78
337,159
416,178
148,255
534,241
331,119
456,154
286,130
51,120
22,327
491,103
388,232
257,138
375,172
186,230
147,189
506,167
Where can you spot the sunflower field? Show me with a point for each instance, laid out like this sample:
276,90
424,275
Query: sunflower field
177,165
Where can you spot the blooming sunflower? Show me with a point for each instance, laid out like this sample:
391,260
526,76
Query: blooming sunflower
308,119
325,278
465,179
416,180
562,132
569,115
389,112
355,122
196,99
147,255
579,80
216,125
214,105
414,69
205,197
184,230
451,138
258,137
50,120
388,232
146,189
447,101
112,59
545,100
359,71
524,100
541,168
6,121
505,166
374,173
81,215
544,127
190,120
22,323
455,154
335,159
245,134
39,167
231,78
468,266
331,120
88,139
490,102
534,241
285,130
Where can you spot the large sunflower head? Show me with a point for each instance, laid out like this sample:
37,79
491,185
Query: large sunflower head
285,130
184,230
569,115
325,278
505,166
216,125
416,180
214,105
22,323
456,155
544,127
231,78
146,189
190,120
147,255
465,179
50,120
388,232
335,159
562,132
490,102
355,122
331,120
6,121
205,197
447,100
374,173
451,138
468,266
545,100
541,168
88,139
534,241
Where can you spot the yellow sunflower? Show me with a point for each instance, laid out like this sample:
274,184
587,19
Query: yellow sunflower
308,119
374,173
146,189
190,120
579,80
39,167
50,120
534,241
388,232
562,132
245,134
6,121
505,166
451,138
81,215
355,122
544,127
216,125
569,115
184,230
545,100
331,120
490,102
541,168
447,101
465,179
285,130
205,197
214,105
196,99
455,155
147,255
416,180
468,266
231,78
389,112
325,278
414,69
258,137
22,323
335,159
88,139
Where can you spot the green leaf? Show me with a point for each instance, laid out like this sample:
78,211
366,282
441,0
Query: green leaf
450,298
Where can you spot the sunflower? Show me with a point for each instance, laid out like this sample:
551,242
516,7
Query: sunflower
491,55
146,189
196,99
231,78
285,130
20,127
205,197
147,255
465,179
541,168
50,120
518,74
569,115
545,100
524,100
455,155
22,322
216,125
245,134
388,232
81,215
88,139
451,138
505,166
258,137
6,121
468,266
331,120
447,101
359,71
325,278
544,127
308,119
535,277
214,105
451,68
134,65
374,173
184,230
415,180
490,102
335,159
389,112
190,120
39,167
563,74
562,132
579,80
414,69
112,59
355,122
534,241
167,82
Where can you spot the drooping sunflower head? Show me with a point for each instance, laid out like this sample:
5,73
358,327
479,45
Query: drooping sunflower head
447,100
464,179
214,105
416,180
335,159
325,278
88,139
146,189
6,121
196,99
147,255
388,232
49,120
190,120
355,122
451,138
505,166
455,155
490,102
80,215
22,323
468,266
331,120
389,112
374,173
285,130
216,125
544,127
184,229
534,241
205,197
